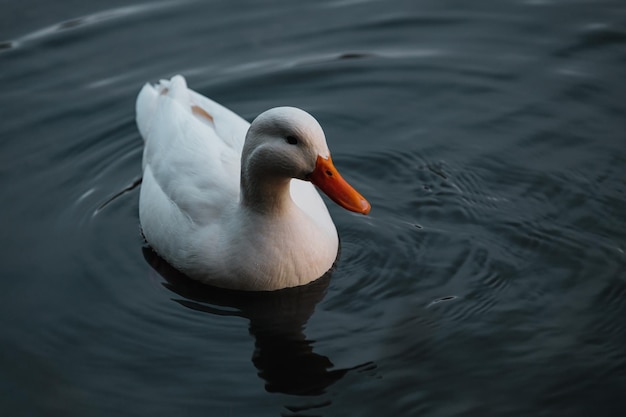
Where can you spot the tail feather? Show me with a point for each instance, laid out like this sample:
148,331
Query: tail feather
148,98
145,108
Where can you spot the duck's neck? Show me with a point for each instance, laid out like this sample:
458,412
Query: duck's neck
265,195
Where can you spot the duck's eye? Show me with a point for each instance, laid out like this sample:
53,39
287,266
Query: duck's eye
292,140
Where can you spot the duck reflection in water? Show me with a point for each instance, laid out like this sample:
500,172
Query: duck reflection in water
283,356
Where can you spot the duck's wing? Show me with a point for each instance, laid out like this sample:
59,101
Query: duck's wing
192,149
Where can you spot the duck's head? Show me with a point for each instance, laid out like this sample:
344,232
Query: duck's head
285,143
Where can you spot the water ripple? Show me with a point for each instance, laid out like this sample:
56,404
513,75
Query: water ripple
84,21
592,37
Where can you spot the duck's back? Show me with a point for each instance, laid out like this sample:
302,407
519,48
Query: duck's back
192,149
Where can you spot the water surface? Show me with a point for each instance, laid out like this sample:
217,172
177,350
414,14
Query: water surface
489,279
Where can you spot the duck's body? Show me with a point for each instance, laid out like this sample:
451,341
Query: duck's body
218,201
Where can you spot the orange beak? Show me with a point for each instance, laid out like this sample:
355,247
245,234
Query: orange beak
327,178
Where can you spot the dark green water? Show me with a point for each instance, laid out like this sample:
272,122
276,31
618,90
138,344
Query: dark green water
489,279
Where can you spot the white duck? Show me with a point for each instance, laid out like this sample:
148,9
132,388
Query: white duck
229,203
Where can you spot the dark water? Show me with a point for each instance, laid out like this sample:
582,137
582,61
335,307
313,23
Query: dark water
489,279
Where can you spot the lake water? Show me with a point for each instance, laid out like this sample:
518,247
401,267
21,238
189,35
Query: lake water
489,279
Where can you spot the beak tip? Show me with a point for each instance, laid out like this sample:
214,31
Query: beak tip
327,179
